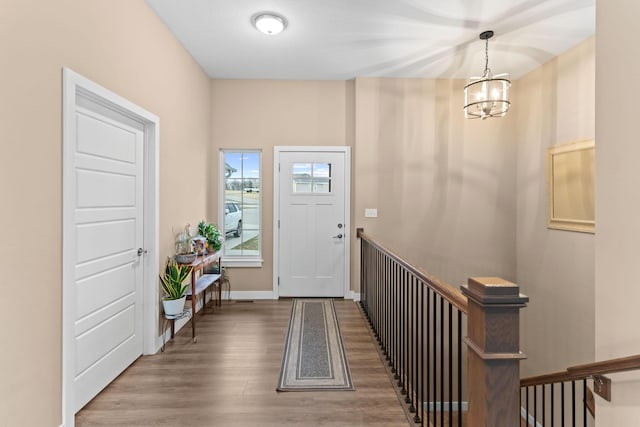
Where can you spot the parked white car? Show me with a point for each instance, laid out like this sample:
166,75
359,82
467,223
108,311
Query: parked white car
232,218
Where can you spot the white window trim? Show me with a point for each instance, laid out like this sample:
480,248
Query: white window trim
238,260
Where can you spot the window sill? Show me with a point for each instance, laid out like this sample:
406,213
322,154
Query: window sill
241,262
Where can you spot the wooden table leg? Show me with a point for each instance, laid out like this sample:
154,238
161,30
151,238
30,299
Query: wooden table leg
194,298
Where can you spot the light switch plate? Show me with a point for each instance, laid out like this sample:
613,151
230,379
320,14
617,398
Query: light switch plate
371,213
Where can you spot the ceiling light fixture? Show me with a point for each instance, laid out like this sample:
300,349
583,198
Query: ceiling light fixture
487,96
269,23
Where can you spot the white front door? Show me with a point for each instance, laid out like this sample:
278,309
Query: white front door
313,223
107,232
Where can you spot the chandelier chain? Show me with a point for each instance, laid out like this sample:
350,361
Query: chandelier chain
486,56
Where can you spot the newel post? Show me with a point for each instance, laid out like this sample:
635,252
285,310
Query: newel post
494,351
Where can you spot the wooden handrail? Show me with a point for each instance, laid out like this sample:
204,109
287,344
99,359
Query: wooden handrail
588,370
447,291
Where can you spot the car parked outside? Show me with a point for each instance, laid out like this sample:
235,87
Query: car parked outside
232,218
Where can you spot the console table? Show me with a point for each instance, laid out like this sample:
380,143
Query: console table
200,283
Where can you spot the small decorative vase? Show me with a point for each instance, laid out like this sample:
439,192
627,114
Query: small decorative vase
173,307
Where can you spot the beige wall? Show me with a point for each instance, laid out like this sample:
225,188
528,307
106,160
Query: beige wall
617,204
123,46
554,104
443,185
262,114
415,158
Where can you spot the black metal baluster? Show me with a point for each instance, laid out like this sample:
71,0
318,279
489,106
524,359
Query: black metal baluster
403,278
370,280
394,367
434,331
362,274
562,402
543,404
459,368
573,403
419,418
379,301
535,404
385,309
367,287
389,312
374,287
396,321
553,415
584,402
450,315
441,361
526,406
411,389
405,337
392,314
406,389
427,392
419,354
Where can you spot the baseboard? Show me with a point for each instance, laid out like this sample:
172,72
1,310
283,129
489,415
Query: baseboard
530,420
250,295
444,406
353,295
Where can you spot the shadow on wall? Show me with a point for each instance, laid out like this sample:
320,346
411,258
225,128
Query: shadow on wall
445,186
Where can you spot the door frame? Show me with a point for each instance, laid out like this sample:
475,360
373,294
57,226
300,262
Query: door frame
347,207
77,87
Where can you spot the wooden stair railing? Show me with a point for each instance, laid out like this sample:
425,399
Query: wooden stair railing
540,412
417,320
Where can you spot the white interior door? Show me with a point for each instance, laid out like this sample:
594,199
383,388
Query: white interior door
108,230
312,233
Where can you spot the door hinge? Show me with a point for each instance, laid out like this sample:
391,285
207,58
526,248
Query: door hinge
278,280
278,167
278,223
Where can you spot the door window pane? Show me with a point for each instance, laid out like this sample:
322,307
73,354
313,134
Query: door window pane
311,178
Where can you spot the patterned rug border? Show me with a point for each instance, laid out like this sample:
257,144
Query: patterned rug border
337,356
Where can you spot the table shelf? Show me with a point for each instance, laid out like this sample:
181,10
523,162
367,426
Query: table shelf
199,284
203,282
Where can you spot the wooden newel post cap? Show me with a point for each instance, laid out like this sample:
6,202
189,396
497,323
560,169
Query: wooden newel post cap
494,290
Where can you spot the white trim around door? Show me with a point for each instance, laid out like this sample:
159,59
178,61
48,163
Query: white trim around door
78,92
347,206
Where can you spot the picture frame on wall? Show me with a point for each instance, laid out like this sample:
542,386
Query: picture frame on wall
571,186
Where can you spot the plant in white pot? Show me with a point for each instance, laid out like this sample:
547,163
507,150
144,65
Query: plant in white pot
173,286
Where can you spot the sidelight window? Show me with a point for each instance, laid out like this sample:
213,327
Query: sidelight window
241,206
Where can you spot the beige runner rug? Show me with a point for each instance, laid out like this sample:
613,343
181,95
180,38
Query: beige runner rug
314,357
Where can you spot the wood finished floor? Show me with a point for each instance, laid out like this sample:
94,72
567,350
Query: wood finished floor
228,378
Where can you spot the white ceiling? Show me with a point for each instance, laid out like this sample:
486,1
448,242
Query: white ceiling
343,39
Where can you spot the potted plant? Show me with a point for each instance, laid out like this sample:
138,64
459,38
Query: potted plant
212,234
173,286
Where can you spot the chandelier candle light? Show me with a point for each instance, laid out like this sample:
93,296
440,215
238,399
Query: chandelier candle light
487,96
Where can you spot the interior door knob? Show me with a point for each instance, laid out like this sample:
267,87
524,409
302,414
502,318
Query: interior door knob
339,236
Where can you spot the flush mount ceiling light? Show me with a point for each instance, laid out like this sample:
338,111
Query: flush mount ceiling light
269,23
487,96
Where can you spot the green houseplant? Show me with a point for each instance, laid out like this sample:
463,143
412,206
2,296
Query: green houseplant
173,286
212,234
